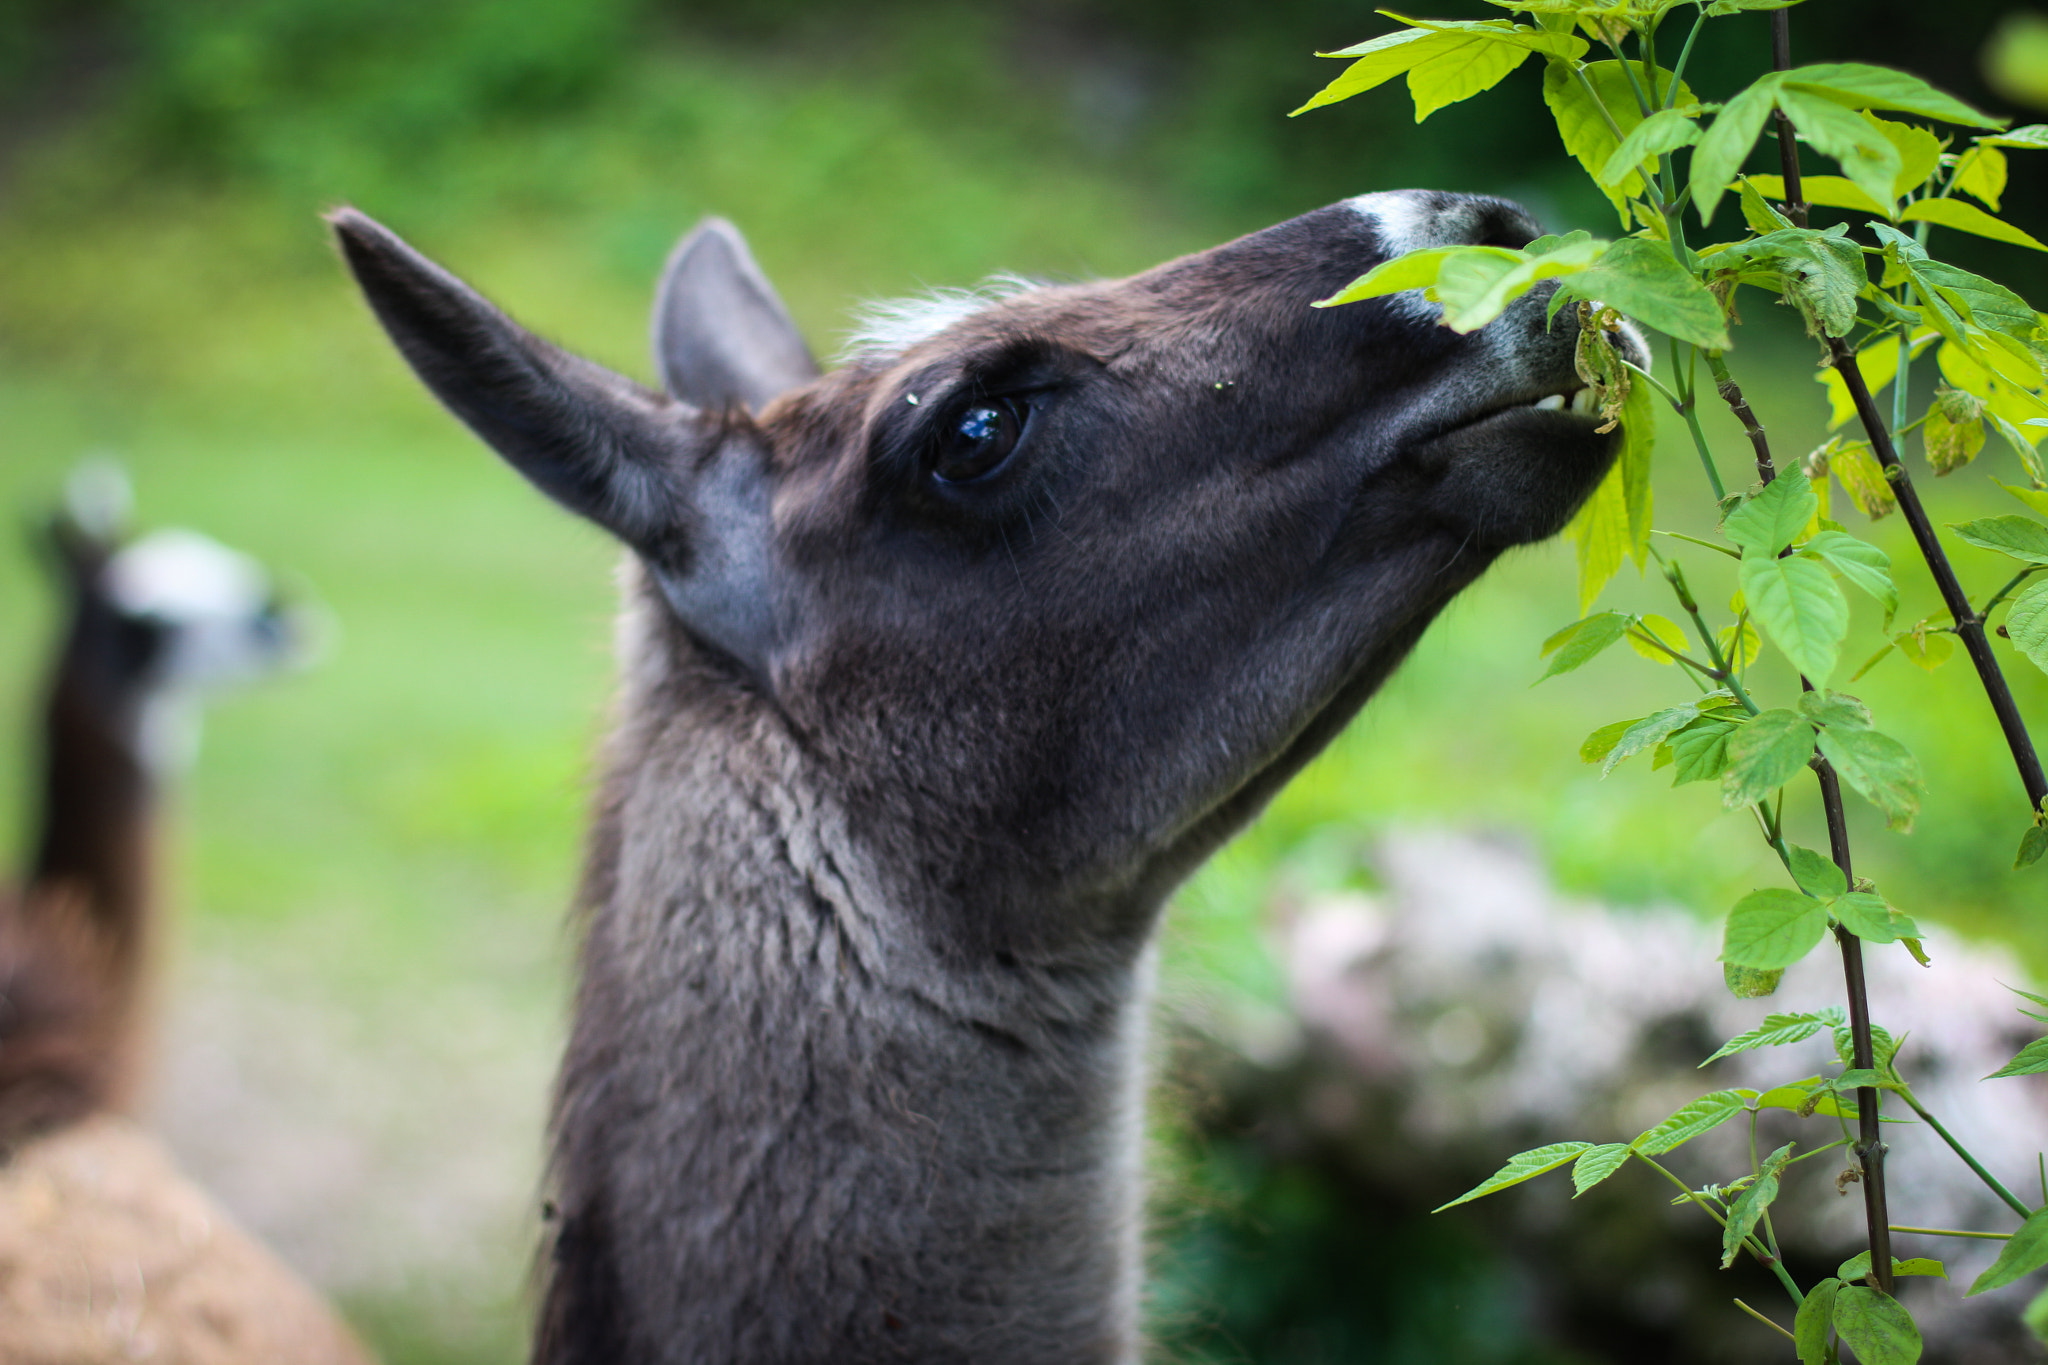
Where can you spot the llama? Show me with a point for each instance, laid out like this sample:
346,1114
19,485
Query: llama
105,1252
939,672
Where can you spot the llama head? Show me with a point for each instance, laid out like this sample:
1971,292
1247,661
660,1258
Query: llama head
1053,586
160,621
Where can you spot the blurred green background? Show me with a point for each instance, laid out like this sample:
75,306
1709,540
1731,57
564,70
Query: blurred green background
382,848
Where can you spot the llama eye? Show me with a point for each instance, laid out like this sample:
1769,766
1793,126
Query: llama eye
981,440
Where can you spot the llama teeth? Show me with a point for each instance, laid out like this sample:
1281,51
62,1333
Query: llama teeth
1584,402
1554,403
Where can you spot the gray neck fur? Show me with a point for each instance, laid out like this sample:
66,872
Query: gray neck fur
794,1127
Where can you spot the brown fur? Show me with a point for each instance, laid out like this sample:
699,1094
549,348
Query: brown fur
107,1253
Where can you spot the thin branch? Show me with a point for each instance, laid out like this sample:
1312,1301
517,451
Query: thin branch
2006,591
1954,1232
1731,393
1766,1321
2012,1201
1969,624
1749,1243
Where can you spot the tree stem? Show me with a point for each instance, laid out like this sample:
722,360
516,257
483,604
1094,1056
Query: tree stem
1731,393
1969,624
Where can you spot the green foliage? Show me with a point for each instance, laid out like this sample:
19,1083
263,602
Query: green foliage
1763,755
1877,294
1750,1205
1778,1030
1814,1323
1595,1164
1582,641
1876,1326
1521,1166
2025,1252
1772,928
1702,1115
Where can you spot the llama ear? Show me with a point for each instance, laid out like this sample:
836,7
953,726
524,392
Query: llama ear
658,474
721,335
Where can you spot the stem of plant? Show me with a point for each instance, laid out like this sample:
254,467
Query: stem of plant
2012,1201
1750,1243
1954,1232
1870,1145
1765,1321
2022,576
1969,624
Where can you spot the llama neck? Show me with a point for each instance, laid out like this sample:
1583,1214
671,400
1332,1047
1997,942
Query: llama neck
98,795
789,1130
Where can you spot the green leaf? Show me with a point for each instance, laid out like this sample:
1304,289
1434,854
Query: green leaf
1883,1046
1599,531
1601,742
2031,1061
1664,131
1926,649
2026,622
1858,1266
1863,478
1595,1164
1816,874
2021,537
2033,137
1820,272
1756,210
1831,191
1919,153
1862,563
1739,648
1807,1098
1661,628
1642,279
1984,303
1725,145
1522,1166
1773,517
1411,270
2033,844
1981,171
1859,86
2036,498
1869,918
1747,983
1798,606
1866,155
1838,709
1880,768
1583,639
1475,284
1954,213
1638,444
1699,752
2027,1251
1702,1115
1954,430
1766,753
1876,1326
1773,927
1476,64
2036,1316
1811,1325
1586,134
1749,1206
1779,1030
1648,733
1431,55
